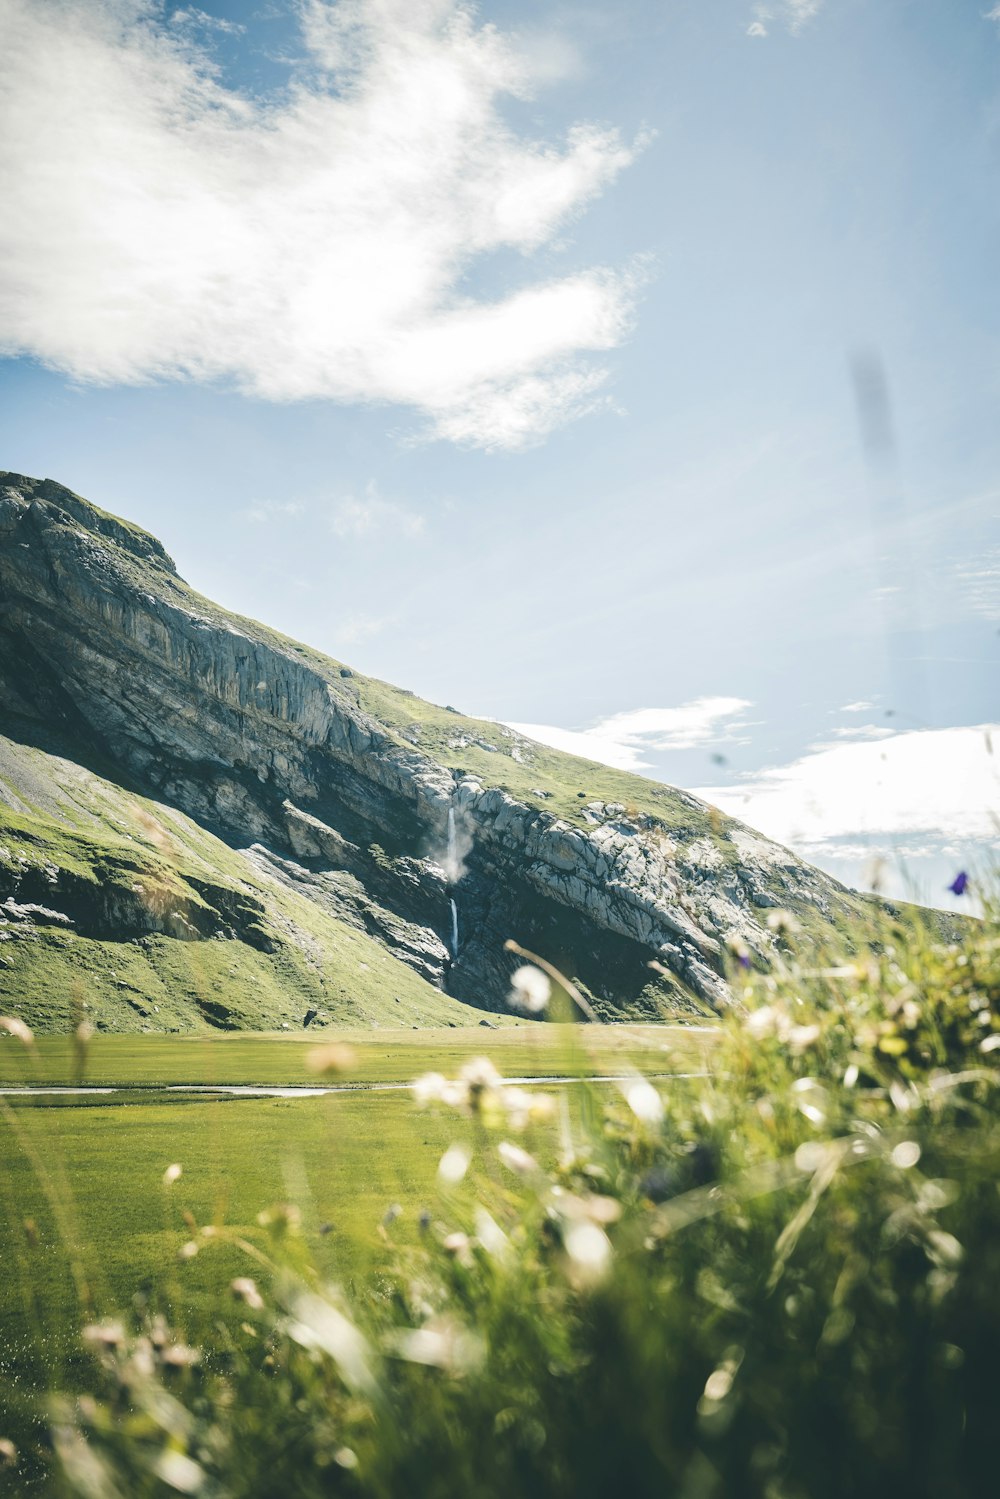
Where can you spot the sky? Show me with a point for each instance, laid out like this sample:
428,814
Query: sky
627,373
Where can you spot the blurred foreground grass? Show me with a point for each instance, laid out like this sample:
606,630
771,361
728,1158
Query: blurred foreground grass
781,1278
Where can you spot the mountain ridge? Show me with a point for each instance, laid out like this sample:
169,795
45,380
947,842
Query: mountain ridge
340,790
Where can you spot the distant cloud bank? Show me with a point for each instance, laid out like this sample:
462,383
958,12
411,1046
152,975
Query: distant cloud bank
157,224
926,800
903,811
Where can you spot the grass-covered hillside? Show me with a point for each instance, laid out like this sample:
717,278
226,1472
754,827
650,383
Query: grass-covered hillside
92,866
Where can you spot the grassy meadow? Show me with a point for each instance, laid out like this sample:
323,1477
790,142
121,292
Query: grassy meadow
759,1259
85,1217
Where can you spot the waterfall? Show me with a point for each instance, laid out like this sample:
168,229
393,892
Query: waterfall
451,871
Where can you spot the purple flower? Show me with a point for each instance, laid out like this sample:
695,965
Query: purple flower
960,883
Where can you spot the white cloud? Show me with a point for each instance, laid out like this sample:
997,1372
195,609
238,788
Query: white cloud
794,13
625,740
264,511
863,731
979,582
861,706
192,16
370,515
924,788
159,225
358,627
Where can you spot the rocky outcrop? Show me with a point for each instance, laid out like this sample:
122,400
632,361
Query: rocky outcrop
268,746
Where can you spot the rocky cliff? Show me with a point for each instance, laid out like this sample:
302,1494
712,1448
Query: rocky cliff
435,835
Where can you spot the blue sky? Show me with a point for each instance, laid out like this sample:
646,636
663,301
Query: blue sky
533,358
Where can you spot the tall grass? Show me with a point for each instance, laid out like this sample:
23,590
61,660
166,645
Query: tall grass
779,1279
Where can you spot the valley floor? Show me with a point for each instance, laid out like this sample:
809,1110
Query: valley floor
86,1220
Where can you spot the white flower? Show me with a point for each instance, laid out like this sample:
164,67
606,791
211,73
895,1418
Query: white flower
429,1088
516,1159
104,1334
478,1074
524,1108
173,1173
644,1101
589,1250
530,989
454,1163
245,1289
17,1028
762,1023
801,1037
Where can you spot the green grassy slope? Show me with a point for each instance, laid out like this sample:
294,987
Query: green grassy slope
64,824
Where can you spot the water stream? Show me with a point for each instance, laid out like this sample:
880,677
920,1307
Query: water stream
451,871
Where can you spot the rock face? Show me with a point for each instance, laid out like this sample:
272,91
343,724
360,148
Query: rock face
381,809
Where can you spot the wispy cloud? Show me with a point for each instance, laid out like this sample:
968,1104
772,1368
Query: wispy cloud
369,515
263,512
979,582
157,224
862,731
191,16
626,740
359,627
793,14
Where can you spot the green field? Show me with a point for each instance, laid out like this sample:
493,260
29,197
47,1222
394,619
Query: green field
86,1220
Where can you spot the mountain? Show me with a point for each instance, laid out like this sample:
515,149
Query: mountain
203,822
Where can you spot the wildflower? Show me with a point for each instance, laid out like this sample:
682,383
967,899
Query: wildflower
180,1356
104,1334
530,989
801,1037
345,1457
391,1214
762,1023
479,1077
17,1028
644,1101
245,1289
283,1218
739,950
524,1108
458,1245
8,1453
782,923
589,1251
173,1173
442,1344
490,1235
179,1472
429,1088
906,1154
960,883
454,1163
188,1251
335,1056
516,1159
